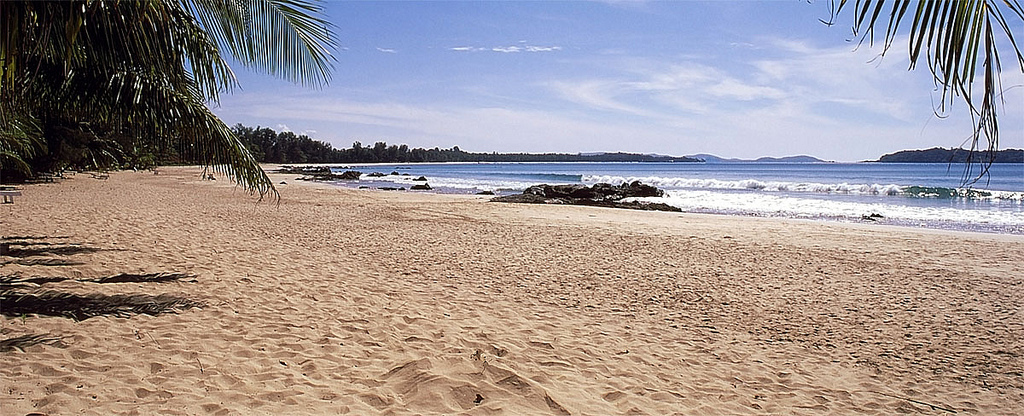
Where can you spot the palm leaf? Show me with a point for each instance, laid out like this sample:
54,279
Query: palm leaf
956,37
146,69
288,38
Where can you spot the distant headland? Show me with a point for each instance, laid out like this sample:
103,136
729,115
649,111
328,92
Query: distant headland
787,159
953,155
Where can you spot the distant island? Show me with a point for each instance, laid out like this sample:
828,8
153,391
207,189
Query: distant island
788,159
952,155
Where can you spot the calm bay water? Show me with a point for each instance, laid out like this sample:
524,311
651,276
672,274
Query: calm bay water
928,195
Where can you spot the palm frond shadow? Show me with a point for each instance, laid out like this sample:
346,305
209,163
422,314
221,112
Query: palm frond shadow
82,307
17,300
11,282
30,237
42,250
24,341
44,262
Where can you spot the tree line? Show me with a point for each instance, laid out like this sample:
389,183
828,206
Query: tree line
269,146
953,155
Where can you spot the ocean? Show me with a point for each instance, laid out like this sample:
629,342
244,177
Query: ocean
930,195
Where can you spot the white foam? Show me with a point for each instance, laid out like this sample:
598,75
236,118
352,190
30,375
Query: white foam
452,183
751,184
758,203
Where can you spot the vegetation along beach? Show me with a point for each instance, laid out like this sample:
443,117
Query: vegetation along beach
586,208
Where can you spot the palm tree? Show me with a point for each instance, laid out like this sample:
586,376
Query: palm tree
955,37
143,72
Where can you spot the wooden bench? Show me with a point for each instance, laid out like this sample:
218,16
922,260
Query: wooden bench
8,195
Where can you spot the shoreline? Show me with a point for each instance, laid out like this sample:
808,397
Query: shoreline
338,300
896,223
912,206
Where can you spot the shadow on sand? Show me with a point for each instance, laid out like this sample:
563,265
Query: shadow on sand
22,297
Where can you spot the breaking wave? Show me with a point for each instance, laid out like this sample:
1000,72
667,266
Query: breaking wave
810,187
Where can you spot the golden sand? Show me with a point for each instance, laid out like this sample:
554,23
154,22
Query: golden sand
367,302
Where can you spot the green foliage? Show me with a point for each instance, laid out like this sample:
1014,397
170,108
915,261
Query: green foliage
269,146
111,83
940,155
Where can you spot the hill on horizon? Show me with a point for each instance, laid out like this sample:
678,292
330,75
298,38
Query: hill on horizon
708,158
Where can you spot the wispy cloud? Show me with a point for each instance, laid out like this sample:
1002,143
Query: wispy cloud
507,49
786,97
387,50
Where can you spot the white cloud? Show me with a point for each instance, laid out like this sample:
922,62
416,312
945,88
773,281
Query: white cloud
508,49
283,128
387,50
786,98
543,48
735,89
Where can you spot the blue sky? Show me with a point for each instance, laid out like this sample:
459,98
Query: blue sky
732,78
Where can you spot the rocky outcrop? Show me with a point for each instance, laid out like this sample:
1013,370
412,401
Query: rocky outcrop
350,175
602,194
320,173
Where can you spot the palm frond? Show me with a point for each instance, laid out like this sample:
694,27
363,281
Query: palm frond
143,71
955,37
287,38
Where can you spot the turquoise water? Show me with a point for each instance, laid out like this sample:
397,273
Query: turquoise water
928,195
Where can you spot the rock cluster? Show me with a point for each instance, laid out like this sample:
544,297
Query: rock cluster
320,173
602,194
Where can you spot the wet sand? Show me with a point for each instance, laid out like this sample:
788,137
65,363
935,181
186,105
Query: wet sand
366,302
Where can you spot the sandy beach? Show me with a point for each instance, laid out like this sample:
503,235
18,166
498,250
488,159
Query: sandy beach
340,301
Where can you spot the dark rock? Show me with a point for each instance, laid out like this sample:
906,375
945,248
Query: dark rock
364,187
523,198
647,206
283,183
394,173
421,178
324,173
350,175
639,190
421,187
376,175
601,195
304,170
485,193
601,191
390,188
536,190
